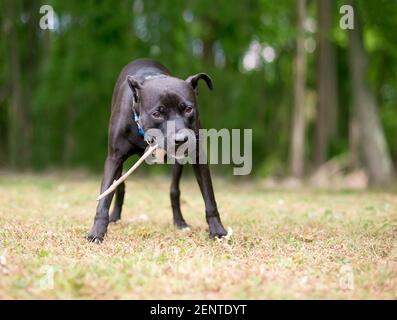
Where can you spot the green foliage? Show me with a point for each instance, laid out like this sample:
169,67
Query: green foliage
78,64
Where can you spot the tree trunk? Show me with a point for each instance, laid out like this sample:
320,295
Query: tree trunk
354,141
30,60
23,57
326,118
373,147
15,113
209,40
298,117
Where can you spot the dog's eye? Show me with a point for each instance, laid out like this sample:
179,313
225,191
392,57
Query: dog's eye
156,114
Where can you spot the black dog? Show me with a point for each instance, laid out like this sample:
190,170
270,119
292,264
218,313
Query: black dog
146,96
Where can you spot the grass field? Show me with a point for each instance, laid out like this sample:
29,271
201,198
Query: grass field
285,244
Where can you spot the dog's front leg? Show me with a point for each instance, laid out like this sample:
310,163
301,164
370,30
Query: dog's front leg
98,231
203,177
175,194
119,198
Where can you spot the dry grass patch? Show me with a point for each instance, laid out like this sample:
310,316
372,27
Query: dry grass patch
286,244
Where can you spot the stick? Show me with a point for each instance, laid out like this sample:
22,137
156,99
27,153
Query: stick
125,175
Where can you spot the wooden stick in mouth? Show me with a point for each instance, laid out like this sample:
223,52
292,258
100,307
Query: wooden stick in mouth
125,175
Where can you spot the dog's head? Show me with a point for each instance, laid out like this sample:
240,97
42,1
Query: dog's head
165,101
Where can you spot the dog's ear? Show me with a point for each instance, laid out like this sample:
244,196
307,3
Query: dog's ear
135,85
193,80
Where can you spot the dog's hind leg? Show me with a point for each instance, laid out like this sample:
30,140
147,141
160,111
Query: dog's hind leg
175,193
119,200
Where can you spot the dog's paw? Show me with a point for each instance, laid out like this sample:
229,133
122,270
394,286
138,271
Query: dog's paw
114,219
97,234
216,228
94,238
181,225
186,229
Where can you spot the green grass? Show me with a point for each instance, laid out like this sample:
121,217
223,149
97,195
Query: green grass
285,244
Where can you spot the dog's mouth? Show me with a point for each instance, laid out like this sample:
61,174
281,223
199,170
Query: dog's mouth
175,152
150,140
179,157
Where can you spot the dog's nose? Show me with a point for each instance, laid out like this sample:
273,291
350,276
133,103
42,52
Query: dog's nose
181,137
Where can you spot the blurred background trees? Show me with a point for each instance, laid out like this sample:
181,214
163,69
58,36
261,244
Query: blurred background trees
310,91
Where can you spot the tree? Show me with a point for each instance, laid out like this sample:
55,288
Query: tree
326,117
15,121
372,143
23,56
298,117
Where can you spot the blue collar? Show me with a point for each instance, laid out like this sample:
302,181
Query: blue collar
138,123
